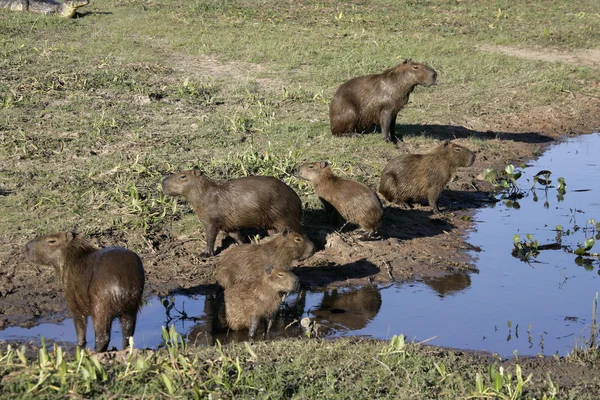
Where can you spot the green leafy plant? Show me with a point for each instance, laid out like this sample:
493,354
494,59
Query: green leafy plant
526,249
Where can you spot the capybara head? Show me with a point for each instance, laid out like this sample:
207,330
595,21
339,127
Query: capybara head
297,245
179,183
313,171
51,249
280,280
418,73
458,155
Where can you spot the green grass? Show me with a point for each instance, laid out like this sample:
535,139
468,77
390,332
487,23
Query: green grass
95,110
281,369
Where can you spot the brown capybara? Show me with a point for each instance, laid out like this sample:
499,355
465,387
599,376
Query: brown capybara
247,262
104,283
355,202
370,100
246,303
416,177
247,202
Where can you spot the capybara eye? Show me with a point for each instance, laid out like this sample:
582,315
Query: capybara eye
310,166
280,275
52,241
298,239
416,66
182,176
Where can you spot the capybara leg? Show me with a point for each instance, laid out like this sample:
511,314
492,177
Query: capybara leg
394,137
253,327
385,121
102,324
268,325
80,323
128,328
237,236
433,198
211,237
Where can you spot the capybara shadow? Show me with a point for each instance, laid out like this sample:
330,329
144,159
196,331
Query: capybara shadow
353,309
415,177
376,99
311,277
246,202
446,132
408,224
353,201
105,283
448,284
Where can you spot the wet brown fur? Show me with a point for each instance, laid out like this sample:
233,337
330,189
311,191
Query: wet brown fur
354,201
415,177
104,283
247,202
370,100
247,262
247,303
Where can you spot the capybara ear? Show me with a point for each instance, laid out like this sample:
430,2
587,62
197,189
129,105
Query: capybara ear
407,60
446,143
70,236
285,231
323,164
196,171
268,270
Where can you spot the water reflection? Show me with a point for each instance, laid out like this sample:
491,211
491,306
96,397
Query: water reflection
448,284
347,310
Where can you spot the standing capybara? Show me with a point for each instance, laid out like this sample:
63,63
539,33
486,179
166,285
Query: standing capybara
247,262
355,202
416,177
104,283
370,100
246,303
247,202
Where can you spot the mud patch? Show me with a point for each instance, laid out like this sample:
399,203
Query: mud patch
588,57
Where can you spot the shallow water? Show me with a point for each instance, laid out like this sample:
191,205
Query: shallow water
548,302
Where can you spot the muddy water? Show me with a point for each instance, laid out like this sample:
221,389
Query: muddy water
541,306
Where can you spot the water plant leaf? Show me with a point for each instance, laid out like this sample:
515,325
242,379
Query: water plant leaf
544,172
509,169
589,243
516,238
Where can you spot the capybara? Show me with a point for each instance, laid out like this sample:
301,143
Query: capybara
416,177
247,303
247,262
354,201
370,100
247,202
104,283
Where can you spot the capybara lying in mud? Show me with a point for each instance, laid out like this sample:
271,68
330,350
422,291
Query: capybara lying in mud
354,201
416,177
247,202
370,100
247,303
104,283
247,262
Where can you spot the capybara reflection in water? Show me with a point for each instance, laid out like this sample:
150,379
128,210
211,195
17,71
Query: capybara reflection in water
104,283
415,177
247,262
249,302
247,202
355,202
370,100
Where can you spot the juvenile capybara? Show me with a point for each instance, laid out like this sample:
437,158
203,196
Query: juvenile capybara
249,302
416,177
370,100
354,201
104,283
247,202
247,262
